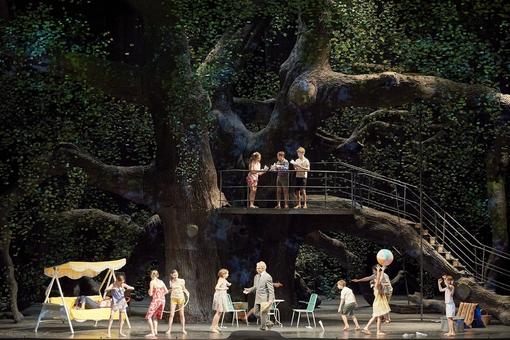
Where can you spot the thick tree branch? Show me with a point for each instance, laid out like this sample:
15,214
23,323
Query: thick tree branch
251,110
332,246
130,182
377,123
332,90
217,73
221,65
436,305
84,215
114,78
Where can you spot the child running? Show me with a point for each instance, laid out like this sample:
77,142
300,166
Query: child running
177,299
448,290
119,302
380,306
253,177
219,304
347,305
157,291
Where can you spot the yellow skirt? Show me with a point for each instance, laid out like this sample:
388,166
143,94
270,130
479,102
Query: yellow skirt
380,305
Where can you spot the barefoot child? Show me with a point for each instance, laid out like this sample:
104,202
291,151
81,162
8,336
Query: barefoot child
177,299
157,291
448,290
302,166
347,305
253,177
119,302
380,306
220,298
282,179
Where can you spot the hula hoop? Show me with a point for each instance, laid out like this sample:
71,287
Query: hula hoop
186,297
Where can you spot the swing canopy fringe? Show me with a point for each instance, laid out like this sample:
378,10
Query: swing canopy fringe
77,269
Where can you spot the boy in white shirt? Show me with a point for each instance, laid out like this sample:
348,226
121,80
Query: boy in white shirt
347,305
302,166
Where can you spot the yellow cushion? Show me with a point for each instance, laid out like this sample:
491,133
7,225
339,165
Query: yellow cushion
84,314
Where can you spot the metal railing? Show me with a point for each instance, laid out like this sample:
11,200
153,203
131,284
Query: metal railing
364,188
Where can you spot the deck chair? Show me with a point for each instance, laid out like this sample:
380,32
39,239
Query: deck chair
467,311
235,312
310,308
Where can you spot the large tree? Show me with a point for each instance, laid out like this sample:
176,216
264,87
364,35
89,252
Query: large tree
187,103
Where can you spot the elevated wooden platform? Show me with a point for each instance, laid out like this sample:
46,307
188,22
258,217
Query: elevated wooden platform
291,211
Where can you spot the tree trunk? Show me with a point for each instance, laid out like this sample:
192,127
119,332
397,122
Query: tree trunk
497,166
436,305
11,278
190,250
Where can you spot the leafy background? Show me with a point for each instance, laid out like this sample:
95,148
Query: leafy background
465,41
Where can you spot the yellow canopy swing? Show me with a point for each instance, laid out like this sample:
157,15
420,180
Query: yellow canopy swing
61,307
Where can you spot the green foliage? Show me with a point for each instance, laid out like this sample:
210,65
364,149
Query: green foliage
321,271
40,109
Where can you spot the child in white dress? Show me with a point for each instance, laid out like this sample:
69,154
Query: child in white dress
220,299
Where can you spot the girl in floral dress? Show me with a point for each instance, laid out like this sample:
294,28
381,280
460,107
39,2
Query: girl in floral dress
253,177
157,290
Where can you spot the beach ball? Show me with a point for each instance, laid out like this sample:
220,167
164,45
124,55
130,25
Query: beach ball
384,257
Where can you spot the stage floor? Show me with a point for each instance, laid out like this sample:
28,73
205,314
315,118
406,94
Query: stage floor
401,324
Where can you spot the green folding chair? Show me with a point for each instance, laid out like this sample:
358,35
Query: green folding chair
310,308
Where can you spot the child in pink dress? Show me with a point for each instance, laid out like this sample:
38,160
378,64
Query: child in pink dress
158,291
253,177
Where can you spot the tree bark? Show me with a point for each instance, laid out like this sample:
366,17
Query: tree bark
5,244
497,169
133,183
335,248
436,305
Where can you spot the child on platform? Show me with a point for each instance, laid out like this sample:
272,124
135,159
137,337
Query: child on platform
302,166
282,179
220,298
157,290
448,290
347,305
253,177
380,306
119,302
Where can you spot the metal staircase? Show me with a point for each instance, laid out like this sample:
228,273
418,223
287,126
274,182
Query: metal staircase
450,239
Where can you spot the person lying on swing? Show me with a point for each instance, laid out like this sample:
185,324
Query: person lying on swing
85,302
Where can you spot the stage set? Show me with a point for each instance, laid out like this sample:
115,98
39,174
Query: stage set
254,169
